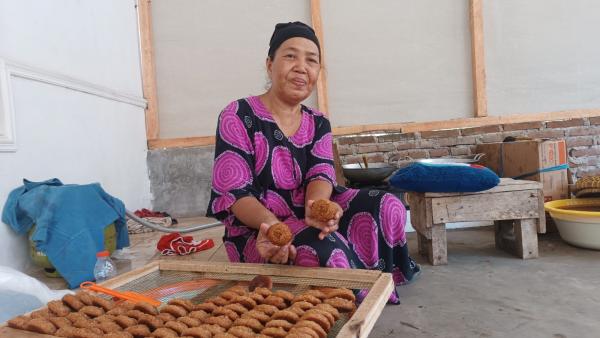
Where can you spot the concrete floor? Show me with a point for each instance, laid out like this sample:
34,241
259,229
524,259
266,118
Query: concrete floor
482,292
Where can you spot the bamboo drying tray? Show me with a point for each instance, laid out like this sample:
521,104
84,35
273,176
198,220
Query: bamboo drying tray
166,279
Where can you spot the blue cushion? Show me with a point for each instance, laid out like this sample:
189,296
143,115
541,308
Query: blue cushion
455,177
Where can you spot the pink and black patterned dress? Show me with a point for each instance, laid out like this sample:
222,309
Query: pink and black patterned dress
254,158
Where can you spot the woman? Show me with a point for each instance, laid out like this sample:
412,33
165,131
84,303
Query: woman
273,158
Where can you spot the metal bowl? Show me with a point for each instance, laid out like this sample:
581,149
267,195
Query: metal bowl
375,173
443,160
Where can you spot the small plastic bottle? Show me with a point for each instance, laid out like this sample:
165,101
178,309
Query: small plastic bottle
104,268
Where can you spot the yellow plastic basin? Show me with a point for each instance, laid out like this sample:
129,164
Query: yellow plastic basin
577,220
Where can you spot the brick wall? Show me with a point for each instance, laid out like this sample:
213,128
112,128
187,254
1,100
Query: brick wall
582,136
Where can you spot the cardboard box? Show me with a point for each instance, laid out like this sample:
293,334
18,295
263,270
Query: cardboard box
515,159
519,158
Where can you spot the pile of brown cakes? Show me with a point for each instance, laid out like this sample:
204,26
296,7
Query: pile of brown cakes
236,312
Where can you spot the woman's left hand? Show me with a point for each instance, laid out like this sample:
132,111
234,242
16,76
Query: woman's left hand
325,227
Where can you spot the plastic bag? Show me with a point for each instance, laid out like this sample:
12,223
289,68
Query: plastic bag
20,293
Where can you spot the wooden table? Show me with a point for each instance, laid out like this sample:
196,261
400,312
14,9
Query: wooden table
515,206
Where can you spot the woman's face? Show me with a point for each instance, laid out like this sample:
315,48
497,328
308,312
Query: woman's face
294,69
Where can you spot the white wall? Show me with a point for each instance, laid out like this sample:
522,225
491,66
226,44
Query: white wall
390,61
387,61
397,60
542,55
79,111
211,52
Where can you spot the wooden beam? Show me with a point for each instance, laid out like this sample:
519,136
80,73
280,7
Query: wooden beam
355,275
131,275
322,96
362,321
468,122
148,68
478,58
183,142
188,142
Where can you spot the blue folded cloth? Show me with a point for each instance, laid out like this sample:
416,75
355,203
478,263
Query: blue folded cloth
70,221
451,177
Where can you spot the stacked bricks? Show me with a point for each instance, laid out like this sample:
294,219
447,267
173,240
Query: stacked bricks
582,136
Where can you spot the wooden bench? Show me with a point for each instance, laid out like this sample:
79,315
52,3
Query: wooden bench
515,206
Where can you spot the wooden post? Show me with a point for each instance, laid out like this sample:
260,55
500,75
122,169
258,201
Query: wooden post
422,244
517,237
148,68
337,164
478,58
504,235
526,237
322,97
541,229
437,253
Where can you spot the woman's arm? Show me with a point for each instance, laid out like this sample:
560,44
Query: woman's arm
252,213
237,195
321,176
318,189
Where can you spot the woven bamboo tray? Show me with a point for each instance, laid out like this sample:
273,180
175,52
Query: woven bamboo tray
168,279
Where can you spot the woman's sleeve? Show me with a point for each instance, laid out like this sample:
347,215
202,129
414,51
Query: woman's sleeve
233,168
320,155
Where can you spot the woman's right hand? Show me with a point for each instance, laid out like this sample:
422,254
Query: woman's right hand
271,252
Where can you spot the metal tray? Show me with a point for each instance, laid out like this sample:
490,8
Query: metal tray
197,280
445,160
